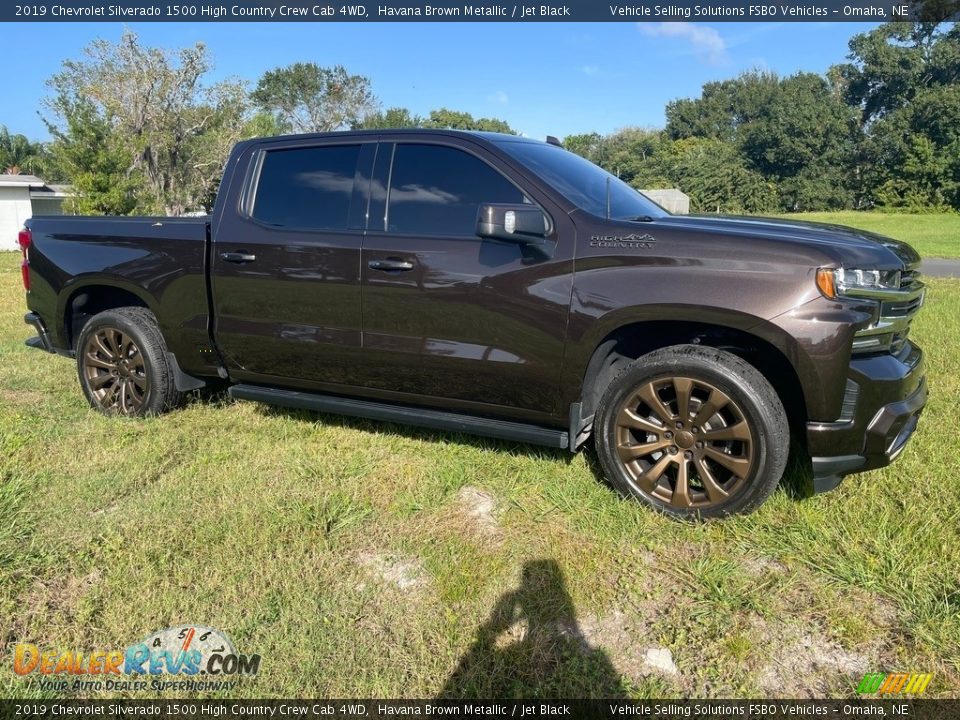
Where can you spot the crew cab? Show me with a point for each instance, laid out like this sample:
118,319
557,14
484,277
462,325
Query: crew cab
502,286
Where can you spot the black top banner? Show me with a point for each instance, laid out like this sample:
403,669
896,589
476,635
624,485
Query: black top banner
479,11
364,709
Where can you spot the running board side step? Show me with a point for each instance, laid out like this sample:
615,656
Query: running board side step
435,419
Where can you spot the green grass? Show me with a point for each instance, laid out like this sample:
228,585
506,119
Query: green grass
294,533
933,234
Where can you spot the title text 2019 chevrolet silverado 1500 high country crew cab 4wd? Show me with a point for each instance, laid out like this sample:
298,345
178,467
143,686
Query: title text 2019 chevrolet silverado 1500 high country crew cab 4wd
501,286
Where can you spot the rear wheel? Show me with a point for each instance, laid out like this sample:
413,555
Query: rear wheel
122,364
692,431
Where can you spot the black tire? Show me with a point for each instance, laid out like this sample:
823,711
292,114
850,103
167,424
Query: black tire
692,464
122,364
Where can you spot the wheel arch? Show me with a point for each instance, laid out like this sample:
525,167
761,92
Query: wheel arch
81,300
626,342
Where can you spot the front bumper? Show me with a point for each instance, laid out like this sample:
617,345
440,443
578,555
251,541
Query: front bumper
891,393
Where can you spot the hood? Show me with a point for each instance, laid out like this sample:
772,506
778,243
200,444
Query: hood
849,244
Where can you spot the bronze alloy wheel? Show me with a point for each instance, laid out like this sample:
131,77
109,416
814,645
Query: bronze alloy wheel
115,372
684,442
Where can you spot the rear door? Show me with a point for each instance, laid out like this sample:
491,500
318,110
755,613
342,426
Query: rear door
448,315
286,278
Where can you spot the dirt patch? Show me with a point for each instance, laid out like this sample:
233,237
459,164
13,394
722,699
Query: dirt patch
104,510
479,507
406,574
31,398
515,633
626,639
49,598
763,565
883,612
805,664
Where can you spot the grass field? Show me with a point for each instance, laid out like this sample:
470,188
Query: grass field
369,560
933,234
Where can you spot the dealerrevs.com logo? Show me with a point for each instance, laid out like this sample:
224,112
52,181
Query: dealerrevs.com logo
187,657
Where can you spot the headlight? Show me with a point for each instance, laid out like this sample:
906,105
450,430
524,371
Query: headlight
834,282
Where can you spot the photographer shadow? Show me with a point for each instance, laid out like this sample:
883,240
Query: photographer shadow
531,646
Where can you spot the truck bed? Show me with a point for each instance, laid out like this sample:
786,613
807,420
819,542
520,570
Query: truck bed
159,260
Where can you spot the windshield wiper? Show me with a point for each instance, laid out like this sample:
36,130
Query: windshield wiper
639,218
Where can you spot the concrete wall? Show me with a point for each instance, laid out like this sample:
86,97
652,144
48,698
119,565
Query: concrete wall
14,211
16,207
671,199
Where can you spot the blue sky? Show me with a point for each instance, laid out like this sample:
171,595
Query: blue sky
545,78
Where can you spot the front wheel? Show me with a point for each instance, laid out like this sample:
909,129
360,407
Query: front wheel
123,366
692,431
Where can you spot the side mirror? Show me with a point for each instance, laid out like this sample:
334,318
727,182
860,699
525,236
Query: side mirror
524,224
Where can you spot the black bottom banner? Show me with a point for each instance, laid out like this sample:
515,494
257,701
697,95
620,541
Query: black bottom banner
659,709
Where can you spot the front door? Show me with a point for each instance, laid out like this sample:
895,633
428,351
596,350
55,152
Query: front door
447,314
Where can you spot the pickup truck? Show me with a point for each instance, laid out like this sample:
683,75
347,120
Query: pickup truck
501,286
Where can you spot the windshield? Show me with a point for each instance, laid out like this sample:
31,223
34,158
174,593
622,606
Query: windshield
583,183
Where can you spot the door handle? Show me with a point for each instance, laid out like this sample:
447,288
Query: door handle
390,265
238,257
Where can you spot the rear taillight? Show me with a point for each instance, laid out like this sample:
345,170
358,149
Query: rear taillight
24,239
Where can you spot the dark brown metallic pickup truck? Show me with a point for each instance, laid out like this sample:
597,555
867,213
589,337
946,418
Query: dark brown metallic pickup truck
501,286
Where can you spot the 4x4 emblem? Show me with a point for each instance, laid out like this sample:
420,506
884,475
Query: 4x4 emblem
634,241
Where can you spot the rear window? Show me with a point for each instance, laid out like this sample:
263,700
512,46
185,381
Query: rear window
307,188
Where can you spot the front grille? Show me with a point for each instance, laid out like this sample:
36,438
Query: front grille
901,308
908,278
888,333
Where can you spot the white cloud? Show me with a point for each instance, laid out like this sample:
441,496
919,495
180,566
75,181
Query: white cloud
590,69
499,97
705,42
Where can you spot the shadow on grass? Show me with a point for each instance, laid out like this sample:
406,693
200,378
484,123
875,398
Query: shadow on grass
797,481
419,433
532,646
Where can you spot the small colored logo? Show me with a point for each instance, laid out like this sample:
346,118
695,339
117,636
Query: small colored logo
892,683
186,650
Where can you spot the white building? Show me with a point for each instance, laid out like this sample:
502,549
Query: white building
672,200
22,197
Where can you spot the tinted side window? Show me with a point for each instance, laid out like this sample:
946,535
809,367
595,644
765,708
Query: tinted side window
436,190
307,187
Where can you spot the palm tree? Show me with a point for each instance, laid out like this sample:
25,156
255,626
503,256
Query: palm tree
18,154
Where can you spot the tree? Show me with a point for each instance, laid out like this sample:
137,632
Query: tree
633,155
893,62
795,132
309,98
723,108
586,145
17,152
154,113
903,79
395,117
914,152
263,124
96,164
455,120
716,177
